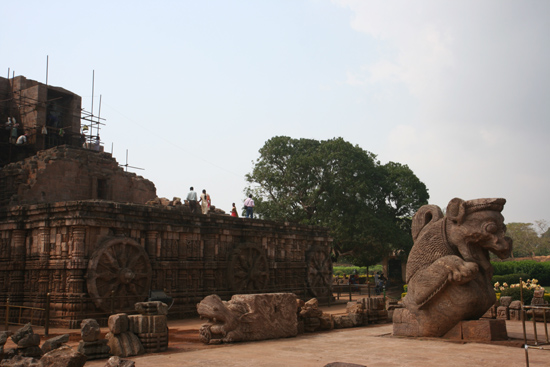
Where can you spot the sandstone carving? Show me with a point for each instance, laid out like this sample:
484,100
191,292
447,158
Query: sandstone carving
542,312
448,271
248,317
27,342
54,343
63,356
121,266
123,343
91,345
151,326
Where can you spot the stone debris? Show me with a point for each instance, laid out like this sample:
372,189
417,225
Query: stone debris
3,339
27,342
91,345
54,343
20,361
116,361
63,356
121,340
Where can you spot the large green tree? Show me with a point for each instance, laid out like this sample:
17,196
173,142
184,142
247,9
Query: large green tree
367,206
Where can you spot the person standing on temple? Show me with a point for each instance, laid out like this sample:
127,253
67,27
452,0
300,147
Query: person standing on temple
249,207
192,200
205,201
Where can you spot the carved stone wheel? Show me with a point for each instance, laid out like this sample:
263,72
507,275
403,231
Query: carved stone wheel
120,267
319,272
248,269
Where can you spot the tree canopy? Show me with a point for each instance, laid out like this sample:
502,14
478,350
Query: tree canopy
366,206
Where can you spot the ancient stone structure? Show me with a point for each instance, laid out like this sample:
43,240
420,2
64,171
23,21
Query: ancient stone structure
67,173
87,253
248,317
76,226
449,272
49,115
150,326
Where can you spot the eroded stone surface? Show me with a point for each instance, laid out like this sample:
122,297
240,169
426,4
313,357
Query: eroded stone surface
89,330
54,343
63,356
448,270
248,317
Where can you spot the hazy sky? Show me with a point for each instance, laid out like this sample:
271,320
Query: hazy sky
457,90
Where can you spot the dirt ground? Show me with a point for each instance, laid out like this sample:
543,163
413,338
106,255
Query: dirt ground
372,345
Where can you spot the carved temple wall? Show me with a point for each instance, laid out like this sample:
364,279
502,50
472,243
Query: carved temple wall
96,257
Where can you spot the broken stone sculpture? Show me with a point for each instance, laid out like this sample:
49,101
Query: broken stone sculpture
503,311
311,318
151,326
3,339
63,356
542,313
27,342
248,317
91,345
121,340
448,270
515,311
54,343
115,361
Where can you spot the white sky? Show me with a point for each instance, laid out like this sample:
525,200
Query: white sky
457,90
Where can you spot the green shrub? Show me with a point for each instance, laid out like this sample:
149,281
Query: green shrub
534,269
515,293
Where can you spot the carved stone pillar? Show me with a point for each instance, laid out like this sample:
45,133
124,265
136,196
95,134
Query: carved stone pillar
151,244
77,264
43,244
17,283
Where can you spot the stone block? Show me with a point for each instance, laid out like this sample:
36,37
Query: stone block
63,356
342,321
154,342
484,330
95,350
89,330
54,343
147,324
124,344
248,317
118,323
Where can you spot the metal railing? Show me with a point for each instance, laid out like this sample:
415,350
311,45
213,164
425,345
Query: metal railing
19,315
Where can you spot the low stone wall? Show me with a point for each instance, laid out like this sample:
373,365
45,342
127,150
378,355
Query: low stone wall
96,257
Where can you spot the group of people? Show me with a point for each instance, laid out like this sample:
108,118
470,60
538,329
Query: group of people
194,201
205,202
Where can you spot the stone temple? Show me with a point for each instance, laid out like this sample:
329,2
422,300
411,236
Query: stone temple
78,230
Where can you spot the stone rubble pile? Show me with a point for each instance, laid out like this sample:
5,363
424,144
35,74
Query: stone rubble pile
91,345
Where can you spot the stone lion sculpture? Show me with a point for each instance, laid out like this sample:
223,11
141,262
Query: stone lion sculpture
448,270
